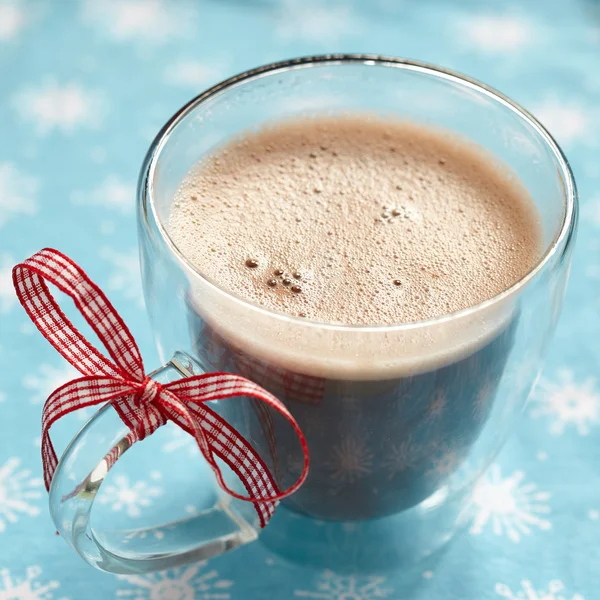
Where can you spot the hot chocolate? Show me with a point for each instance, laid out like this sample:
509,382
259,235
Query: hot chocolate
358,221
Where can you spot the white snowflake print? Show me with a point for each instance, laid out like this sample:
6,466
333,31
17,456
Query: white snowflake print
401,457
350,460
19,492
187,583
18,193
28,587
310,21
122,495
46,378
591,211
180,441
2,397
554,591
113,193
567,403
568,121
509,505
64,107
444,460
12,20
594,515
151,22
8,298
193,74
437,406
496,33
126,277
337,587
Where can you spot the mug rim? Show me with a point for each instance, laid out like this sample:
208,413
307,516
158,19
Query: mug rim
565,233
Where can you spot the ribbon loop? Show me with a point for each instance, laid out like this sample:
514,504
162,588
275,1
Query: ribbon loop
142,403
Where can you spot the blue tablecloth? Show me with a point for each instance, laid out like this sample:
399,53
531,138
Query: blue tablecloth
85,85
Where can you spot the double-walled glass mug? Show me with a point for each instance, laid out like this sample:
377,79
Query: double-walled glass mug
401,420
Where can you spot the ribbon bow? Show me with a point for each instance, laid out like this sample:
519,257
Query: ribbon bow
142,403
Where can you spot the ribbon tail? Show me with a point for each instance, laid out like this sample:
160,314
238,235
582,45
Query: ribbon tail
215,436
198,390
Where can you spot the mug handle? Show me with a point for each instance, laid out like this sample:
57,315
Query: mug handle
228,524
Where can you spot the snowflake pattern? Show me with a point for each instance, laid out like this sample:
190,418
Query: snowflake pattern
32,199
180,441
122,495
337,587
315,21
19,492
18,193
444,461
497,33
113,193
554,591
567,121
511,506
567,403
188,583
437,406
351,459
64,107
401,457
46,379
152,22
12,21
192,74
8,297
28,587
126,276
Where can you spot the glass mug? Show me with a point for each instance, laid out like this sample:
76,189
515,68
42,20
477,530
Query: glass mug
400,420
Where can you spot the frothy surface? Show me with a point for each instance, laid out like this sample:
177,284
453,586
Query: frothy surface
356,220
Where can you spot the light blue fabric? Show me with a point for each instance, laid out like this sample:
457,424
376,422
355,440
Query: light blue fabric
85,85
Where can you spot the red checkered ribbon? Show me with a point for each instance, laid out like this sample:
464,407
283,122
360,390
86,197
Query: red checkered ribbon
142,403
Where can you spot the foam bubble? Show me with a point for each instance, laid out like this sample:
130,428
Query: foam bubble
350,202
